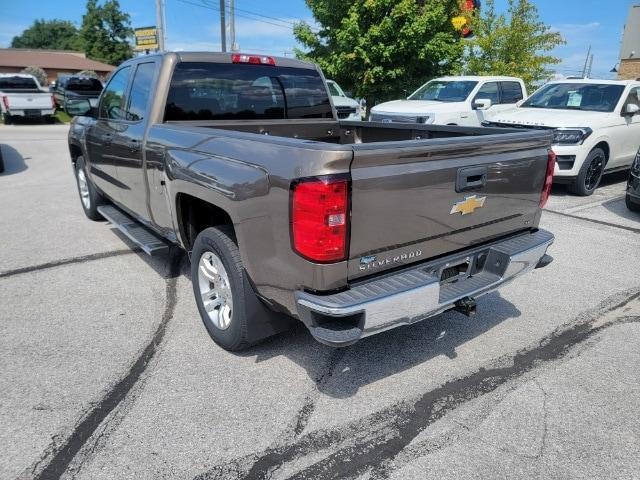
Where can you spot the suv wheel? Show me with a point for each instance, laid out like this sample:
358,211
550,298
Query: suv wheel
590,174
90,199
632,205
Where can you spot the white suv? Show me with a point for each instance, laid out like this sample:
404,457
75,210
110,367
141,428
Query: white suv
453,101
595,123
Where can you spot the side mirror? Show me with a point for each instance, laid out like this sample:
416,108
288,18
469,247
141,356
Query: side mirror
631,109
79,107
482,104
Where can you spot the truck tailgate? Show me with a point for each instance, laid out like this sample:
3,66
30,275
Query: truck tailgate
412,201
29,101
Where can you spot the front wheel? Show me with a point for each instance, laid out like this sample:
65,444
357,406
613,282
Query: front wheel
590,174
89,196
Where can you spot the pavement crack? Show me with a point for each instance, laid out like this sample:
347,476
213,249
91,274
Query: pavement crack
63,454
67,261
593,220
368,443
545,419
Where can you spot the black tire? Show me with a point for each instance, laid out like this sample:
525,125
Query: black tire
218,241
631,205
590,174
251,321
94,199
6,118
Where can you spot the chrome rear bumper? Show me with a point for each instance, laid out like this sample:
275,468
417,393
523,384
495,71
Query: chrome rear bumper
417,292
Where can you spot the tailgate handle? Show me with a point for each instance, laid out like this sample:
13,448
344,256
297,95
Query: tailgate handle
471,178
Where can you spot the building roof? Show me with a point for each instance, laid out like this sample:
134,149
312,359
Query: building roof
50,59
631,36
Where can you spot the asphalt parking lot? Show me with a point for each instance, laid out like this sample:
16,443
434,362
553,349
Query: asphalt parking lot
107,372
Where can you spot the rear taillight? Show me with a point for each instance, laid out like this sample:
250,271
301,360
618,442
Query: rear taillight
548,178
253,59
320,219
5,101
53,103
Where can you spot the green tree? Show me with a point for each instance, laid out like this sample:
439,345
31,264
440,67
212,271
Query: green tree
105,32
37,72
49,34
381,49
517,44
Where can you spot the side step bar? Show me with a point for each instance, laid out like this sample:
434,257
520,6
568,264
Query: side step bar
134,231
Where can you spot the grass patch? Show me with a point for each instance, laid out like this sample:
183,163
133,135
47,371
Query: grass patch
62,117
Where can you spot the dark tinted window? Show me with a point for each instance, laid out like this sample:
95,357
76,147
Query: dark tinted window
211,91
112,102
511,92
140,90
17,83
489,91
83,85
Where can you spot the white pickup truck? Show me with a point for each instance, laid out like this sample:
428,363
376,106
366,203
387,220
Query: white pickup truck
596,126
453,101
22,96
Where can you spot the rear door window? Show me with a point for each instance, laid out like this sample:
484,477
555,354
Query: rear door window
214,91
511,92
488,91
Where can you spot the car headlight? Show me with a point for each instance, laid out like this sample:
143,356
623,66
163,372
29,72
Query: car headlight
570,136
635,166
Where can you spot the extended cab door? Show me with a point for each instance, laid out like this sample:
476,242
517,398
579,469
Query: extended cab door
103,158
128,144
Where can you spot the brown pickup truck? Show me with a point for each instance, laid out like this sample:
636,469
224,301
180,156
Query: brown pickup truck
288,212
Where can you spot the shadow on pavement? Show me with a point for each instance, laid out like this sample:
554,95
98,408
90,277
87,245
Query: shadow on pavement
387,353
618,207
12,161
340,373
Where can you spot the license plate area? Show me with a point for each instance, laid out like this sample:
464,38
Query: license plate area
32,113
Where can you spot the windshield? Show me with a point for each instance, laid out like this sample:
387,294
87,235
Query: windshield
576,96
84,85
444,91
333,90
17,83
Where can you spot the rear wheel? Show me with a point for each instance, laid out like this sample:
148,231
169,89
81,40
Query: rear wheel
90,199
217,278
6,118
590,174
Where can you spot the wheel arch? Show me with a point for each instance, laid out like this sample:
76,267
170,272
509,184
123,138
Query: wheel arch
194,214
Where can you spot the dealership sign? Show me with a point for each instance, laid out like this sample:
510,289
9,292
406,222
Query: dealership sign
146,38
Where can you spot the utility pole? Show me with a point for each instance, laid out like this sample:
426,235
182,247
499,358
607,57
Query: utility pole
160,24
223,26
590,65
586,61
232,25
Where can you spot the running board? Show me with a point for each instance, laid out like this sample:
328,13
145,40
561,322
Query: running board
149,242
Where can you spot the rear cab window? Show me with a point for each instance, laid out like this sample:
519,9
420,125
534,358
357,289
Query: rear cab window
218,91
83,85
17,84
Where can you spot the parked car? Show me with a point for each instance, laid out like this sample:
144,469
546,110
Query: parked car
287,211
453,101
595,123
632,197
346,108
75,87
22,96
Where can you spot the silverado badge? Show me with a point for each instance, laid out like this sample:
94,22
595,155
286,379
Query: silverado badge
468,205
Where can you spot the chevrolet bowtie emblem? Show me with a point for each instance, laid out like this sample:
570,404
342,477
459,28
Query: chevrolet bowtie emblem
468,205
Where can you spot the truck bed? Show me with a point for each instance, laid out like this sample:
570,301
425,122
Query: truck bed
407,179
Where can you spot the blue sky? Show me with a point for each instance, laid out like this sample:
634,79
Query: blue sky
191,26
